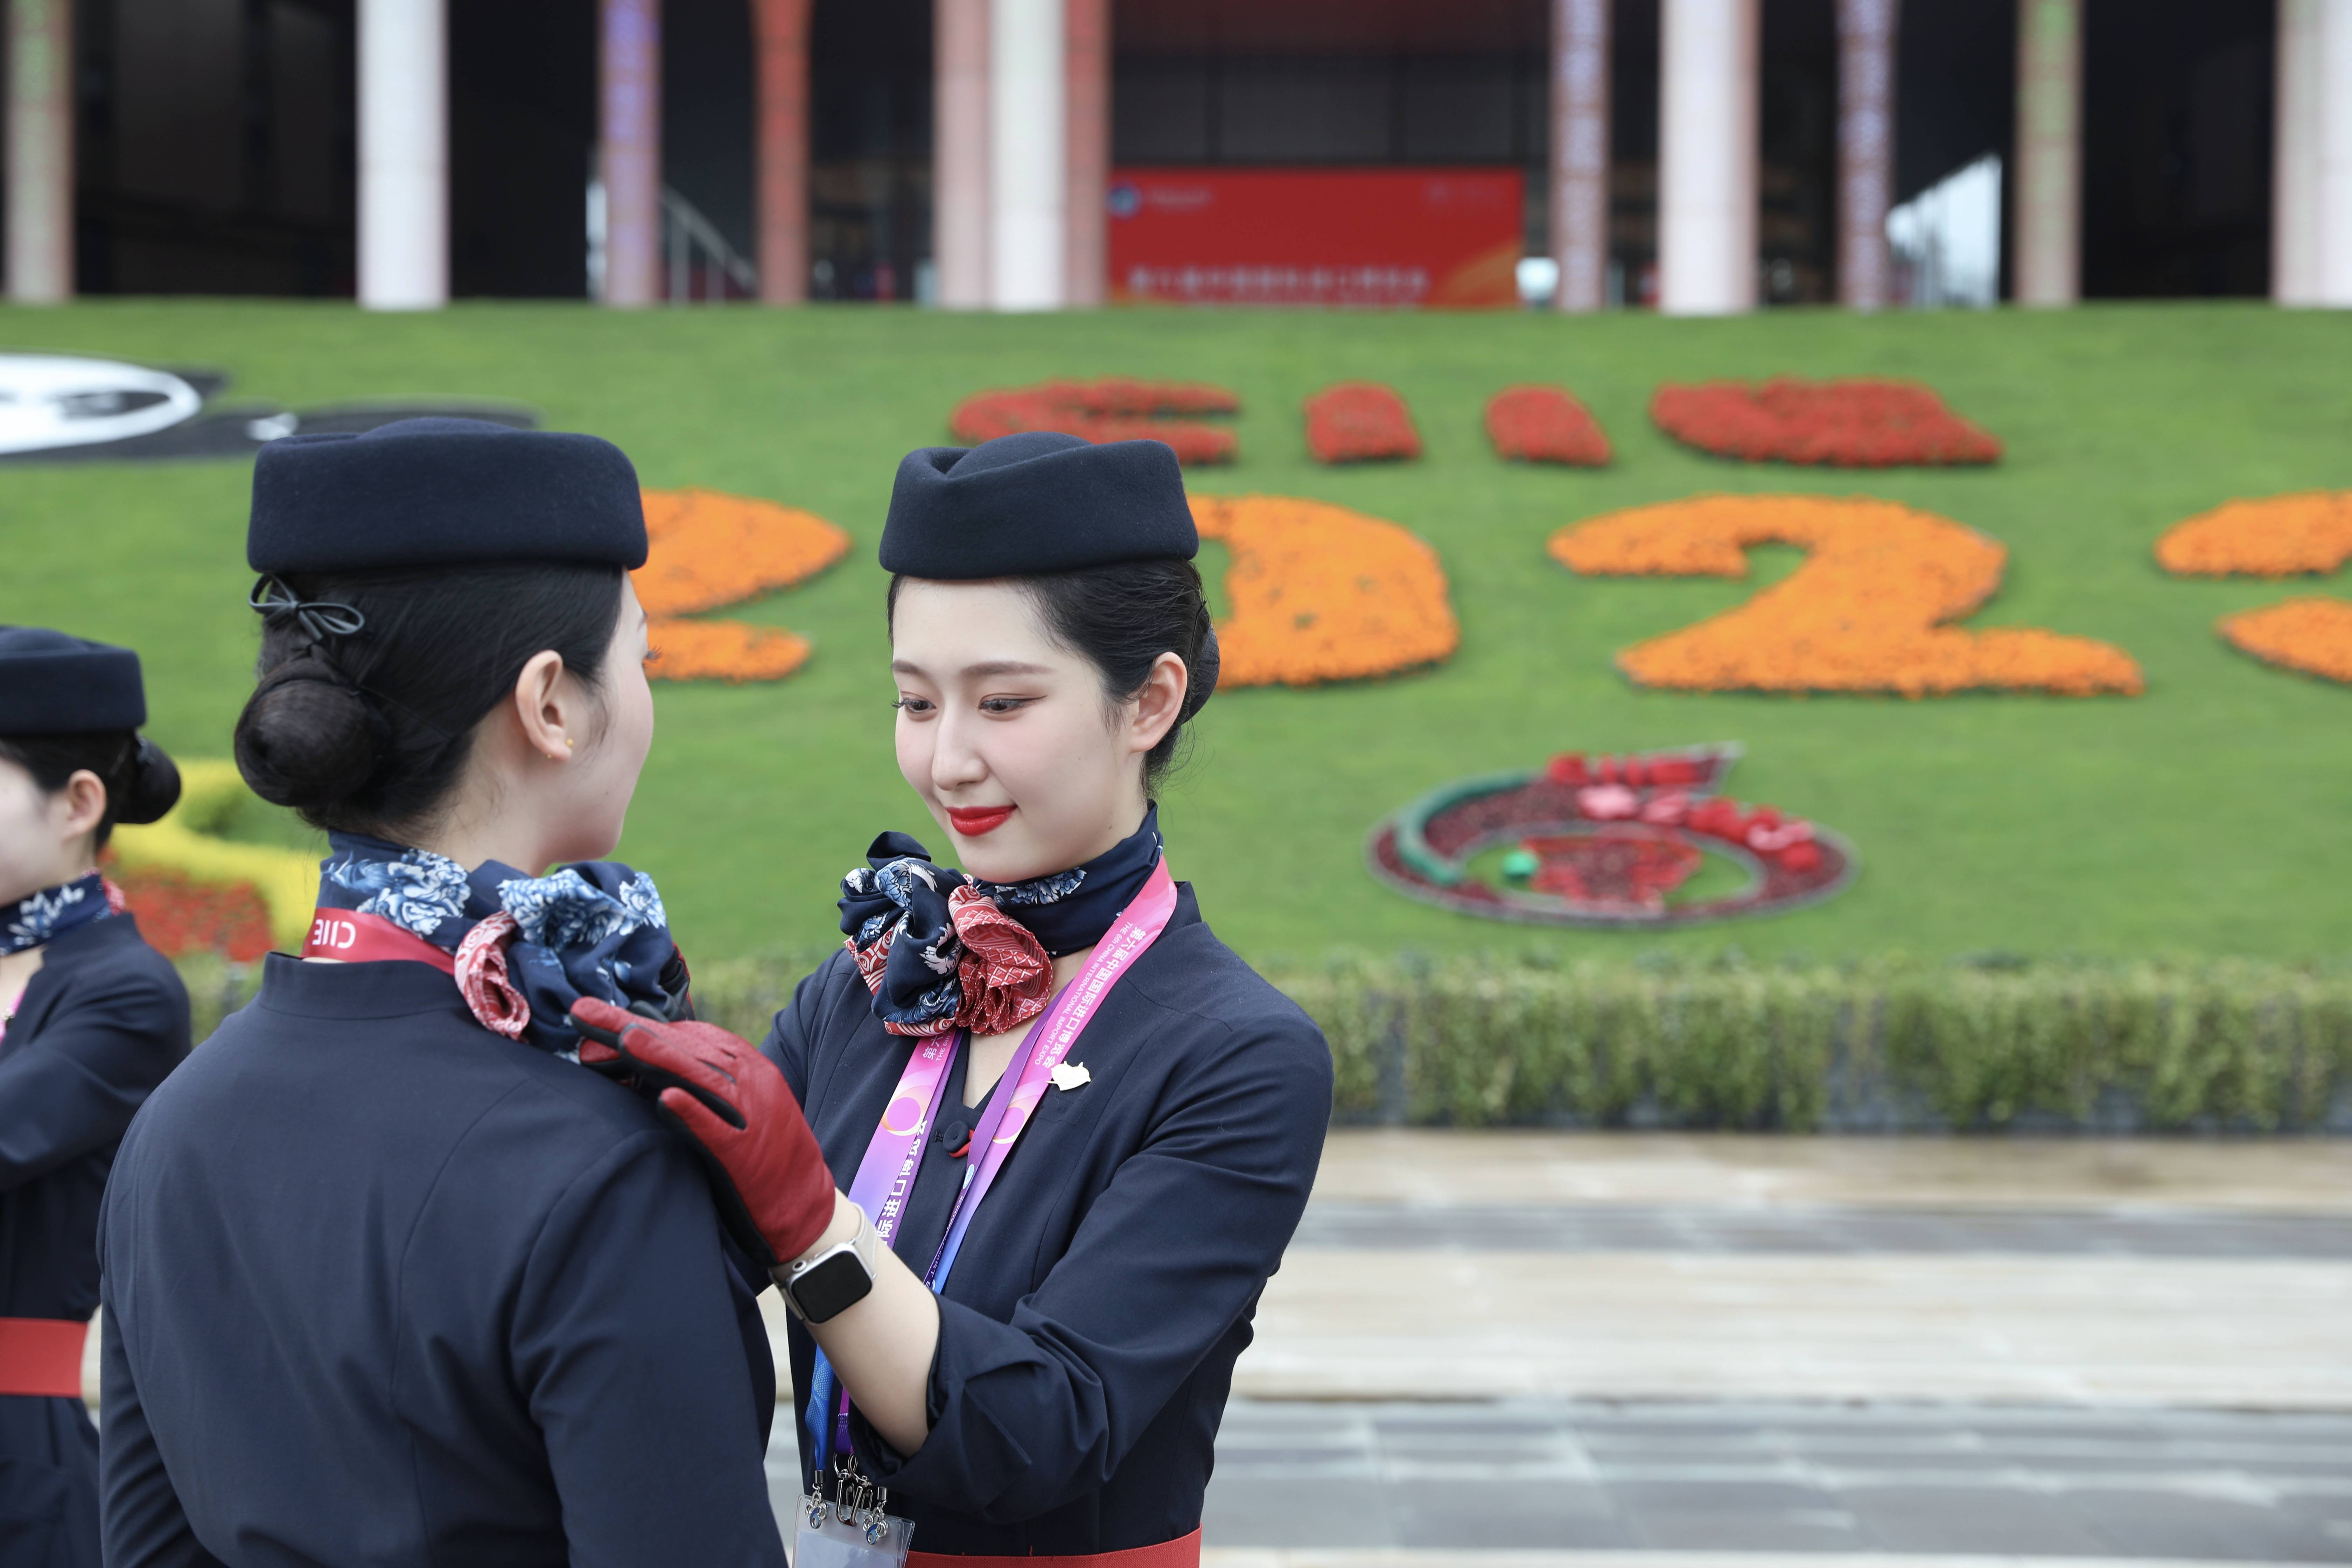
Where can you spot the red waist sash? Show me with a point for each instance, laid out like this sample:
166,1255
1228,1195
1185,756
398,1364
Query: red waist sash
1181,1553
41,1356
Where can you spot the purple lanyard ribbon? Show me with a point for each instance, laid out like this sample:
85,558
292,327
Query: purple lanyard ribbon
886,1174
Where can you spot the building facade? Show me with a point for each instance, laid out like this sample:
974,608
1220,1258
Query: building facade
1699,155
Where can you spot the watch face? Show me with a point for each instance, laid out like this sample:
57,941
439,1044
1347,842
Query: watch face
837,1282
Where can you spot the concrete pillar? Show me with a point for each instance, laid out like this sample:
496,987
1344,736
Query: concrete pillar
783,151
2047,260
1087,75
1707,164
1580,152
404,216
1028,145
1865,147
960,155
40,152
2334,217
630,142
2301,114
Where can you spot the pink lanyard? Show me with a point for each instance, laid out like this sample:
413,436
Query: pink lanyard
886,1174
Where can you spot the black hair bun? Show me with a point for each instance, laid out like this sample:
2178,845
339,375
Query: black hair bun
306,738
1203,684
154,786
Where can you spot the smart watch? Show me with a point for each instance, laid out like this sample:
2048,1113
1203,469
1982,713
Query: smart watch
835,1280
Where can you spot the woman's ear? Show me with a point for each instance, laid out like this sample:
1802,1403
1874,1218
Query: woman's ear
82,805
1157,705
548,707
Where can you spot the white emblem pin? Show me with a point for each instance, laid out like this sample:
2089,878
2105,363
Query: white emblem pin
1072,1075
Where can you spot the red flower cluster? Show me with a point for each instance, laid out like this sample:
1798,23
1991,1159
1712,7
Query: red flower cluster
1357,422
1604,791
1857,424
1630,866
1115,408
1574,770
177,914
1545,425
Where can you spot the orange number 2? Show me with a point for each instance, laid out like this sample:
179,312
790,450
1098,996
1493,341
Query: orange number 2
1867,611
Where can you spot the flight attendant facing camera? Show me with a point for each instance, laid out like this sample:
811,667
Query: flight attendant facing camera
389,1278
92,1018
1075,1131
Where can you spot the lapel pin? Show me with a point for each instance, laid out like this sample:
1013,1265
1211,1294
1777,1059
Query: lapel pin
1072,1075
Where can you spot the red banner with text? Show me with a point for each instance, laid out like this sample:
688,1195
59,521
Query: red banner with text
1447,237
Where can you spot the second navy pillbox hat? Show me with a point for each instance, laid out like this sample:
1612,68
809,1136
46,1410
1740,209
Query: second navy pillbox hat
52,684
442,492
1038,501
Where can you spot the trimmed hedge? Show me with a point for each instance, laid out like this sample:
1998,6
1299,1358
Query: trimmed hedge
1883,1045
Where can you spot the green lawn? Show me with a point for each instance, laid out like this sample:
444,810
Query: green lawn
2204,818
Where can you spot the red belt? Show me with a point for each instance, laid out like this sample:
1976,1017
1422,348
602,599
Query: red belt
41,1356
1183,1554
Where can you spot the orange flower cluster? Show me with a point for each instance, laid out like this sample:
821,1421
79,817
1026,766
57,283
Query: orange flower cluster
710,550
1320,593
2314,636
1864,614
1360,422
1545,425
1858,424
1112,409
2278,536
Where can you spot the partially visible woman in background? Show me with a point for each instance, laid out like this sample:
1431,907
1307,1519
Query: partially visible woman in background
90,1020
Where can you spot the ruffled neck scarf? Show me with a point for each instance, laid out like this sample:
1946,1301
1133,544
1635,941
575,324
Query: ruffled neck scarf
942,951
44,916
525,948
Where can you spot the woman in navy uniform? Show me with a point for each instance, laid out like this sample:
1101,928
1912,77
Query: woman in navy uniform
1059,1396
389,1278
90,1020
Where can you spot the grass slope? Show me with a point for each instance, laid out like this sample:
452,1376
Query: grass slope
2205,816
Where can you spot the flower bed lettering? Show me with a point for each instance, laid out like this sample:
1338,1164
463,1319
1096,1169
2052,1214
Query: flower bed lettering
1320,593
1360,422
2278,536
1545,425
1606,842
1865,613
1115,408
1856,424
709,550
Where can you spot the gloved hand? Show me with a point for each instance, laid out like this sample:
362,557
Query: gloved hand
767,1172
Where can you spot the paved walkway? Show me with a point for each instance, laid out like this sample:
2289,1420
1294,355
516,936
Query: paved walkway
1517,1350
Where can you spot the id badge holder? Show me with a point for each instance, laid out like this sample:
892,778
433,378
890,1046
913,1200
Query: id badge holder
853,1528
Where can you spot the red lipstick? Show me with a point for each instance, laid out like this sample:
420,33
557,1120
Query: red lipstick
972,821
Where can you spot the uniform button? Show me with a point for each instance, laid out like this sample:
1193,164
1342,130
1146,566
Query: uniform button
955,1137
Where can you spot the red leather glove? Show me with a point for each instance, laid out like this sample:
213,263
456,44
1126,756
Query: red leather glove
766,1170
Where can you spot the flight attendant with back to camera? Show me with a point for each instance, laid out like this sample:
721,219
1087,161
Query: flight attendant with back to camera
389,1278
1075,1131
92,1018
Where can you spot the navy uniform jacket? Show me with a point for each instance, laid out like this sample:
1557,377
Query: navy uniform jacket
104,1019
1089,1331
382,1287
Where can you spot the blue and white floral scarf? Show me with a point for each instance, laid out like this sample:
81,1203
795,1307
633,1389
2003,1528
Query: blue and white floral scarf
44,916
596,929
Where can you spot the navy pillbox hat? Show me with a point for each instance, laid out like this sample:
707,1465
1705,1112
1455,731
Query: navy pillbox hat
1038,501
442,492
51,684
